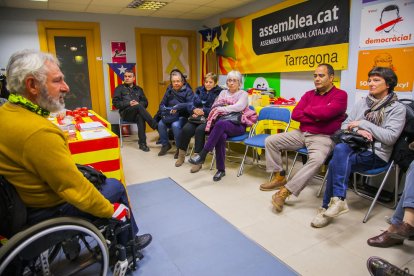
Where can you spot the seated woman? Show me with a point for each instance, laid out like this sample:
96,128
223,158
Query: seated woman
174,110
380,118
204,97
402,221
232,100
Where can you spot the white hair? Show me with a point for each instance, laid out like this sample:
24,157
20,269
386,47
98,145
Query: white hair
236,75
26,63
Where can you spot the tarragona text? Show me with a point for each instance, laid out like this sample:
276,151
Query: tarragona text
297,22
311,60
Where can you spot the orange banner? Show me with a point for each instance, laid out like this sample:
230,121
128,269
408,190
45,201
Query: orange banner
401,60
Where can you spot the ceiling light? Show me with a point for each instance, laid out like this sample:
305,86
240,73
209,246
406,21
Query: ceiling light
146,5
135,3
39,0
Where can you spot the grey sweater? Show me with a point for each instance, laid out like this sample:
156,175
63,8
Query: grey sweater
384,135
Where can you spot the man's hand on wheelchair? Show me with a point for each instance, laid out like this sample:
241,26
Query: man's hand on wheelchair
121,212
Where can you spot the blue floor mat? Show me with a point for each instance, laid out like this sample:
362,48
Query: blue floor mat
191,239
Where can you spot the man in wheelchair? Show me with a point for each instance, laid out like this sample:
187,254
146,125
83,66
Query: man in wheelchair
35,159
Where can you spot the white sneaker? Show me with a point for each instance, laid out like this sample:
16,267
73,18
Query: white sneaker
336,207
320,220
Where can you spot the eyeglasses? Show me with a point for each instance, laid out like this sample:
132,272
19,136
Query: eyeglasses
232,80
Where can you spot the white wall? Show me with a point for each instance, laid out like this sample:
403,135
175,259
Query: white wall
18,30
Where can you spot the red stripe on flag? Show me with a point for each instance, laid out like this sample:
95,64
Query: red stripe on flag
111,85
93,145
106,166
222,69
96,119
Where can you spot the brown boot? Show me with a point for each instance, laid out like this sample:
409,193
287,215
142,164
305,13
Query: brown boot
196,168
181,158
274,184
279,198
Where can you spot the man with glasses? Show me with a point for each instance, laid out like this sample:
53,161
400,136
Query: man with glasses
320,113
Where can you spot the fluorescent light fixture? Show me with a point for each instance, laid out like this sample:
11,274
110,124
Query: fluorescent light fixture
152,5
146,5
39,0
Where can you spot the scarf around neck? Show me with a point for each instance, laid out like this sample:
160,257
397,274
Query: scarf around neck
25,103
375,113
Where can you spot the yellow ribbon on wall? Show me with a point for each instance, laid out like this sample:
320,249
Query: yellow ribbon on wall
174,49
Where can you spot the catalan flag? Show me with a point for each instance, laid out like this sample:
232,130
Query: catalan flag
209,43
116,76
226,37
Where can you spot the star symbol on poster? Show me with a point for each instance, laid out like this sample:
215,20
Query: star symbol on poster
208,37
223,36
122,69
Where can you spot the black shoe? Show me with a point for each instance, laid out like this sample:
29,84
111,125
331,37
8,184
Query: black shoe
377,266
196,160
176,154
219,175
164,150
144,147
143,241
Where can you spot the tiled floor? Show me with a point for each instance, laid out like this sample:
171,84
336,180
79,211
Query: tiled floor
338,249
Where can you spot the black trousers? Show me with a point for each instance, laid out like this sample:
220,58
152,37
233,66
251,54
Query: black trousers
189,130
140,116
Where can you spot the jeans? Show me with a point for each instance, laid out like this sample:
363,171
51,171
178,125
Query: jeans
344,162
176,128
407,198
112,189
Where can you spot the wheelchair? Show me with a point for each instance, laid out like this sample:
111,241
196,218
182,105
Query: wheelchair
66,246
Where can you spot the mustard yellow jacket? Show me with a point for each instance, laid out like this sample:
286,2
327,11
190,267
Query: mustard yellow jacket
35,158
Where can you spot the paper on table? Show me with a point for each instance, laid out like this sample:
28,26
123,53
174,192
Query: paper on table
95,134
90,125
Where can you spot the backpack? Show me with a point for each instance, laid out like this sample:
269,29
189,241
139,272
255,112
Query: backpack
401,153
97,178
13,213
409,116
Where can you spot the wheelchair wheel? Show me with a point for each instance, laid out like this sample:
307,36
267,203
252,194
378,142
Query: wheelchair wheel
59,246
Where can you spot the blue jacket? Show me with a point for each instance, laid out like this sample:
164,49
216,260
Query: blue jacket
203,99
178,100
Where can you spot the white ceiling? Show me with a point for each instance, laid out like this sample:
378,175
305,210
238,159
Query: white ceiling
181,9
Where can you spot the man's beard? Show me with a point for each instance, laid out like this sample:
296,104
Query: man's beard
47,102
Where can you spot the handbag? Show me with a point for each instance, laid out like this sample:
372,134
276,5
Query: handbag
168,117
200,119
97,178
356,141
234,117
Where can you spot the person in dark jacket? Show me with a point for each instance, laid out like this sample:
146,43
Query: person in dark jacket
204,97
131,102
174,110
